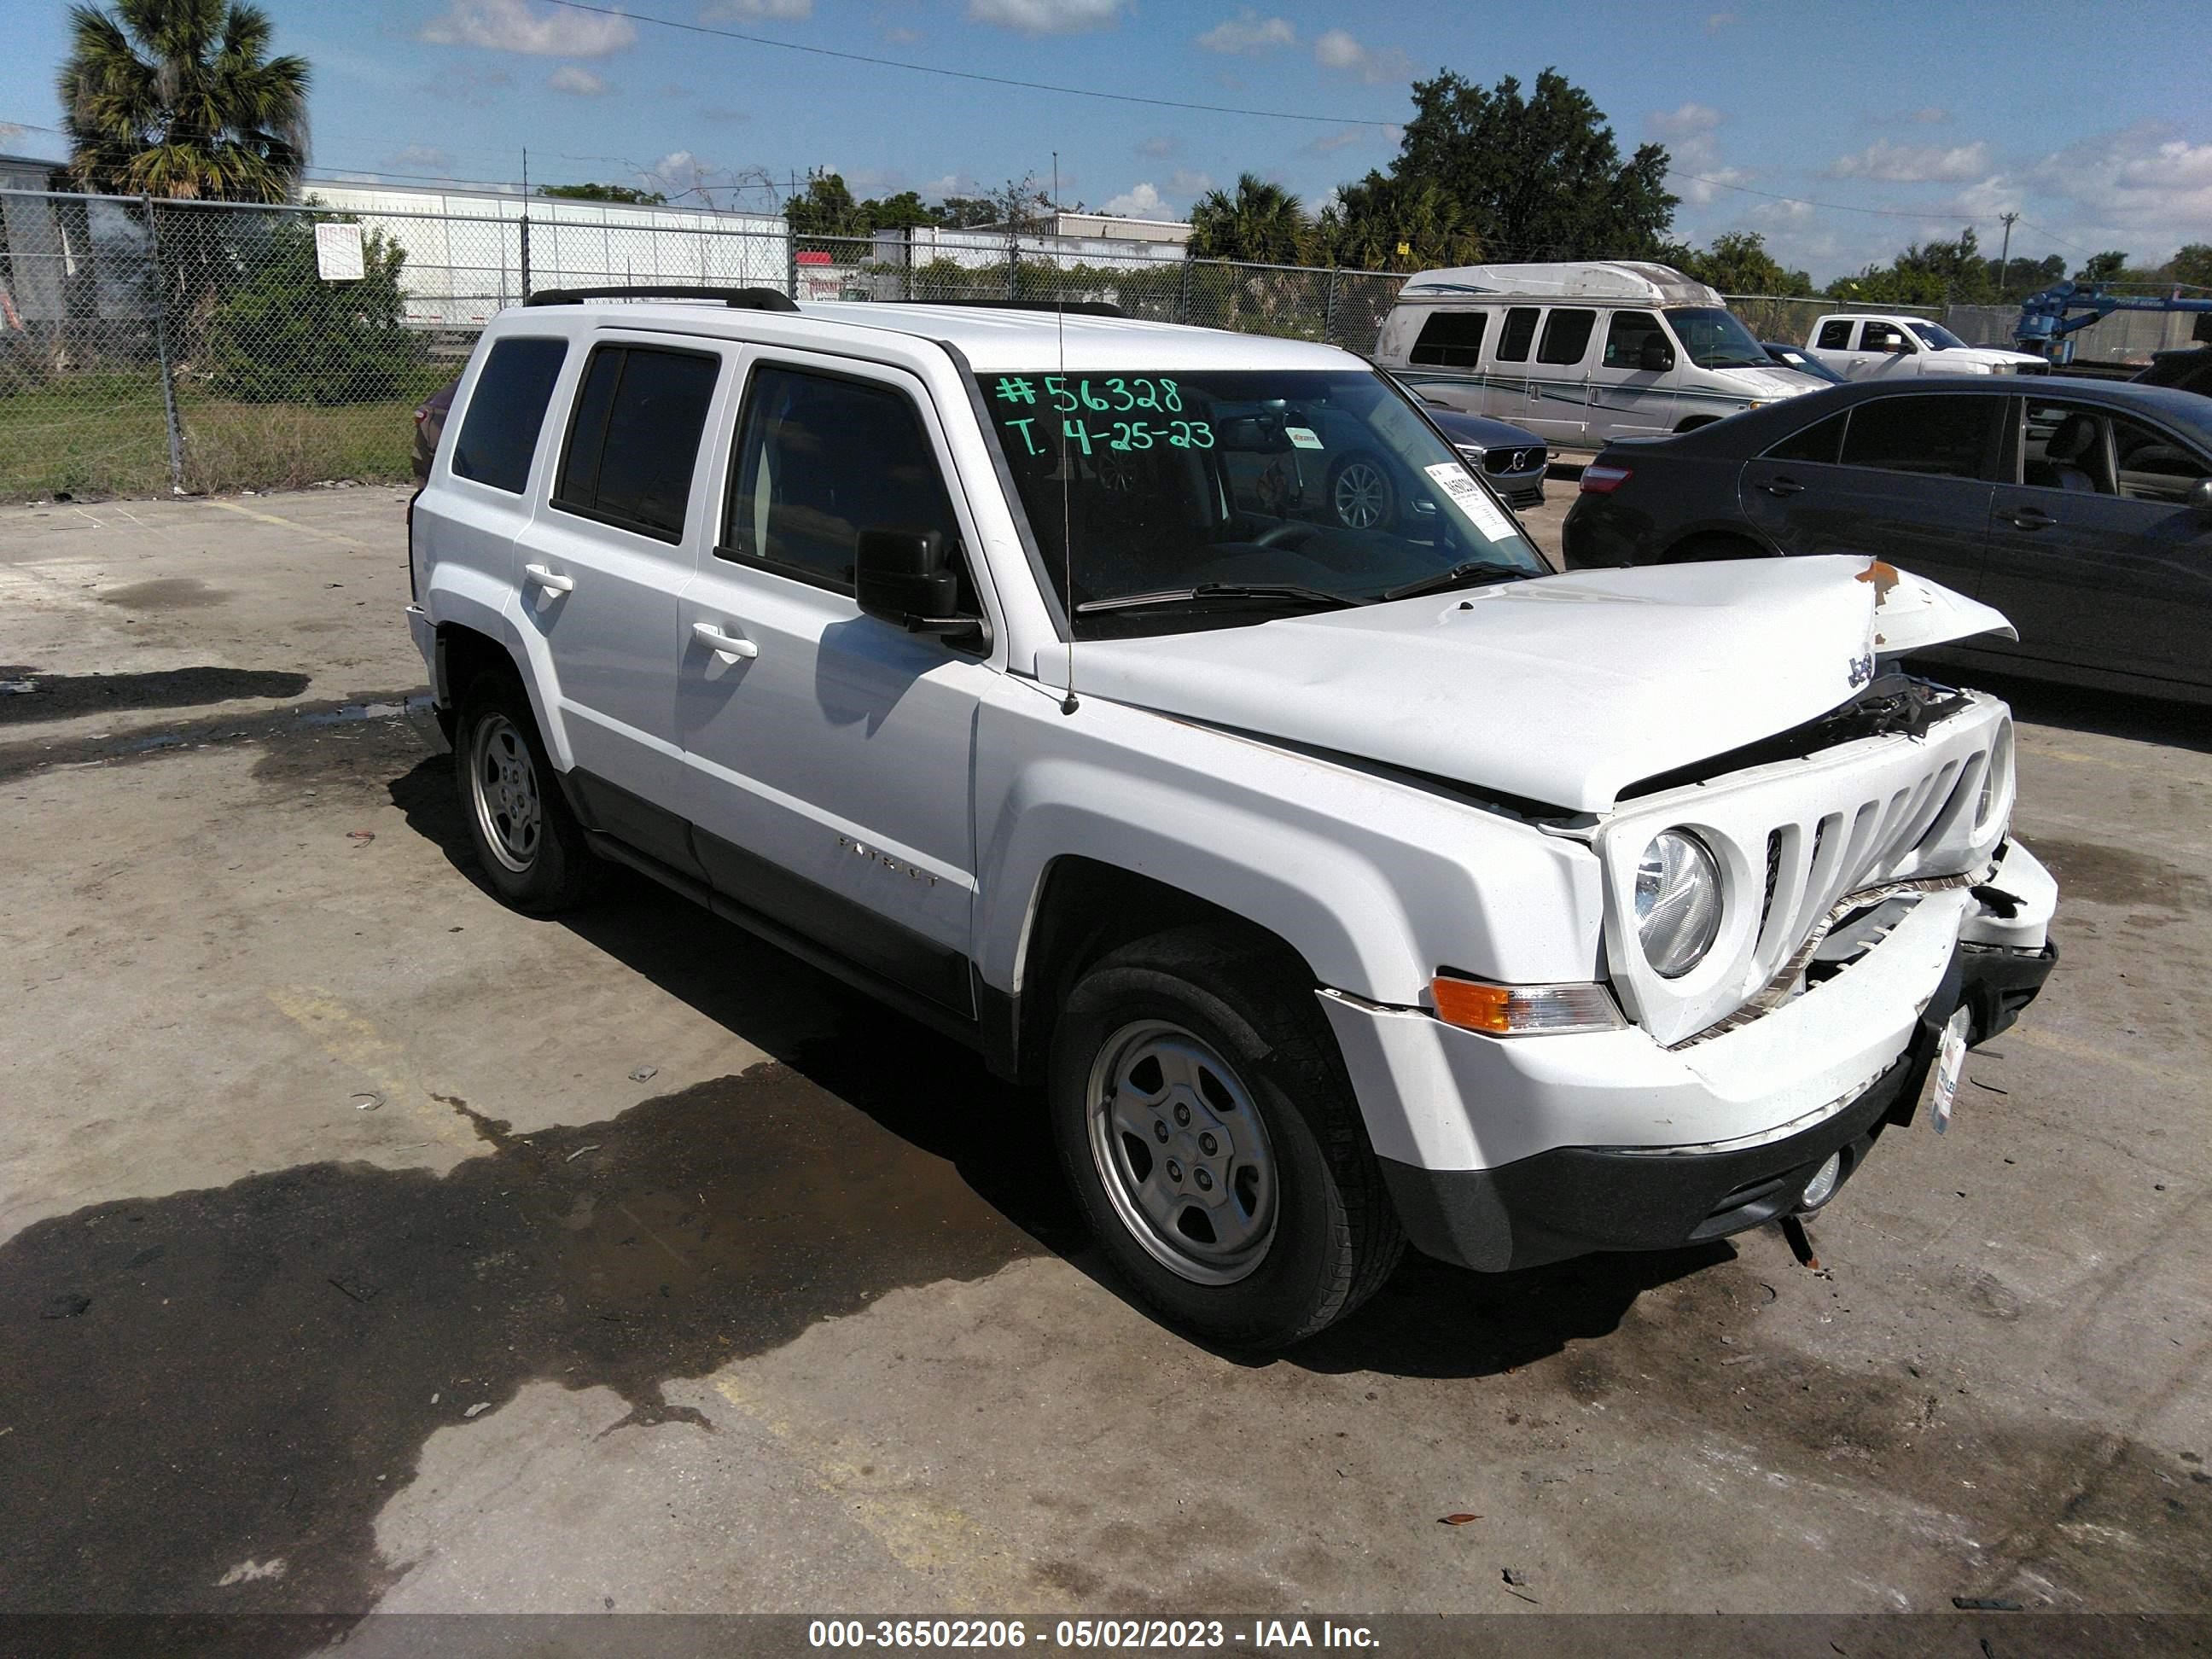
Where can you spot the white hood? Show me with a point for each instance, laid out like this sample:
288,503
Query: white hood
1565,689
1771,384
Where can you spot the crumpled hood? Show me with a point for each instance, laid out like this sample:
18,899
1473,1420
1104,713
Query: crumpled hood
1565,689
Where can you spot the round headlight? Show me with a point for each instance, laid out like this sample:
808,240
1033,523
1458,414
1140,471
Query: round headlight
1678,902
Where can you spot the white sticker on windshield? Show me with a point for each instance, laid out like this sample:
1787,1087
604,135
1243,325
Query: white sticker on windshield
1472,498
1303,437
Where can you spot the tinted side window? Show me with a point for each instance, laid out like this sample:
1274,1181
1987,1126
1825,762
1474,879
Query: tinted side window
635,443
500,433
1836,334
1566,337
1884,337
1819,443
1450,339
819,460
1946,437
1513,339
1627,334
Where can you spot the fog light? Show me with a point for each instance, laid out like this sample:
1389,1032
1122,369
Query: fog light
1822,1186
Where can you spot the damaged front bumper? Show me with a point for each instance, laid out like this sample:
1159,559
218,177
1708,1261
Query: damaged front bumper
1608,1142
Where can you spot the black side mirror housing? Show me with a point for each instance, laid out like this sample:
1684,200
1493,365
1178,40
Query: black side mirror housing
1656,354
899,576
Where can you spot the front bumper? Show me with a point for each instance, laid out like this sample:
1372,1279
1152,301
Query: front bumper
1574,1201
1503,1153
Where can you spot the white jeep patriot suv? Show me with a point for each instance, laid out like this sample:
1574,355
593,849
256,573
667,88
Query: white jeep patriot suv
1340,886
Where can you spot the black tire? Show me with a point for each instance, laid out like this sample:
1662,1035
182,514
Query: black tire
1702,550
1377,494
1333,1237
496,743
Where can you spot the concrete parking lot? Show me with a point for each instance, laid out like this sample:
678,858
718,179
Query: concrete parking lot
364,1245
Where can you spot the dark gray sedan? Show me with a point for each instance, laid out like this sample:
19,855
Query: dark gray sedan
2082,509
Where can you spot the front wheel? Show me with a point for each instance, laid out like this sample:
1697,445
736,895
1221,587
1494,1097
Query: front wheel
1360,493
1206,1124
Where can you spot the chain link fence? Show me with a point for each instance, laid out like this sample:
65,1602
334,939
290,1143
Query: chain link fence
151,346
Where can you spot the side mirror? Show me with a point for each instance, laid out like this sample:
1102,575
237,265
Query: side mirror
1656,354
899,577
2199,497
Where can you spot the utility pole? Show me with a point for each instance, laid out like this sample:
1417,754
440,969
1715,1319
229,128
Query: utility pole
2004,261
525,225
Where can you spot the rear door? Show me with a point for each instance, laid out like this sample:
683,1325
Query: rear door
827,753
1904,478
1446,357
1513,391
2094,553
600,568
1631,385
1558,406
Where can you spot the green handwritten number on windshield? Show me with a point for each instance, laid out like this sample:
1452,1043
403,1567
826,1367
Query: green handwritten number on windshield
1190,434
1145,396
1132,434
1089,401
1120,389
1170,397
1063,399
1077,430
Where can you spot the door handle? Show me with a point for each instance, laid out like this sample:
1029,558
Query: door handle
1783,487
552,582
2031,518
730,647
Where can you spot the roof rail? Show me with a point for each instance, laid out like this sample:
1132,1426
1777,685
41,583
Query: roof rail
738,298
1071,307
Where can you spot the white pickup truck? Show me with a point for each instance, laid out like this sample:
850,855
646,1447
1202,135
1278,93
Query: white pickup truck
1859,347
1337,886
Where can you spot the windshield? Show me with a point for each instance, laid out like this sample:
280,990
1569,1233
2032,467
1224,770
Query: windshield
1212,499
1936,337
1712,338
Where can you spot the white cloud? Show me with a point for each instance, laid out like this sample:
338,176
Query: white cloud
1046,17
1690,131
2144,182
1717,20
1329,143
1336,50
1186,183
421,158
1913,164
578,80
1158,146
732,11
1138,201
1247,34
517,26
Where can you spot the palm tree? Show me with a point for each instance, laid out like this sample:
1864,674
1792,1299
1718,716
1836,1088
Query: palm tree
1262,223
178,98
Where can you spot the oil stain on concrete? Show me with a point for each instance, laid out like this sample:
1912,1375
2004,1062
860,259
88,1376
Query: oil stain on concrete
247,1373
165,593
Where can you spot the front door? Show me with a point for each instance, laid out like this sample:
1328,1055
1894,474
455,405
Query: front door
1632,388
1905,479
827,753
600,569
2094,553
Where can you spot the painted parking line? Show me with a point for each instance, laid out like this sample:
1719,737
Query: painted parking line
351,543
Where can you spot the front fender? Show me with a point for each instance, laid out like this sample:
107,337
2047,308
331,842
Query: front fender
1374,880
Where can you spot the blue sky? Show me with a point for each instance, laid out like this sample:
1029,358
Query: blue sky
2092,122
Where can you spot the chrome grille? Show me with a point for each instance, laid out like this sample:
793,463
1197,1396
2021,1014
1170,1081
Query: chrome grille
1793,840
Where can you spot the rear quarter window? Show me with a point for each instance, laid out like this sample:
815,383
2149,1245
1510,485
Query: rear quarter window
1836,336
1819,444
507,411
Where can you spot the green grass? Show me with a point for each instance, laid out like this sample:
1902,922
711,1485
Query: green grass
106,435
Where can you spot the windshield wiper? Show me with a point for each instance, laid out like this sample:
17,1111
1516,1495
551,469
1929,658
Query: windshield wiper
1460,576
1206,590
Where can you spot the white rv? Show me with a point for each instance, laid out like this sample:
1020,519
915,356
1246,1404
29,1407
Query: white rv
1582,353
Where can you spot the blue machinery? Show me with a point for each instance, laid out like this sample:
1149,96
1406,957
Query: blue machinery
2048,321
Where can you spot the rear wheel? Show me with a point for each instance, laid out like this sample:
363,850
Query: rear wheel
532,849
1211,1138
